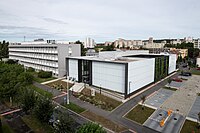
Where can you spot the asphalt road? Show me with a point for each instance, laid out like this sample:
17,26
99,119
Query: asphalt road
117,114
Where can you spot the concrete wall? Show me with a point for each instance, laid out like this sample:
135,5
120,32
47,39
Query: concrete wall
109,75
198,62
66,50
140,74
73,68
172,63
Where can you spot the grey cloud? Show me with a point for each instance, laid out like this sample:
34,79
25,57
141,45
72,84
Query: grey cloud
54,21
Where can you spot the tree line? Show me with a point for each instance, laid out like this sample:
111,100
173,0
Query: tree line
15,87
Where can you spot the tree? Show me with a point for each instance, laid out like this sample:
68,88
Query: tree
4,49
143,98
64,123
44,74
43,109
91,128
28,100
25,78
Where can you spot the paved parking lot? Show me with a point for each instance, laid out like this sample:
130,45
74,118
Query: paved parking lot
172,125
174,84
183,99
159,98
195,109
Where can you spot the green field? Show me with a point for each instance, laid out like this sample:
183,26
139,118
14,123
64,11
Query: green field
190,127
41,91
74,108
139,115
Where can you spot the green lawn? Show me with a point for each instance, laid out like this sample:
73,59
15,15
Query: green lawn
74,108
36,125
40,80
190,127
41,91
7,129
139,115
195,72
170,88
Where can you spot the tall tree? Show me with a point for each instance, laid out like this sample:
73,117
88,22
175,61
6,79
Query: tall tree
4,49
43,109
27,100
91,128
64,123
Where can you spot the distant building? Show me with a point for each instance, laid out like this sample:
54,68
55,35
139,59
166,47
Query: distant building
89,43
151,44
122,43
44,55
197,43
91,52
179,52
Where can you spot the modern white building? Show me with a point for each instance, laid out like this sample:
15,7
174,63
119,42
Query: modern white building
44,55
89,43
125,74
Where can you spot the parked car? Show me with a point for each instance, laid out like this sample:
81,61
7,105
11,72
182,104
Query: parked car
198,68
177,80
186,74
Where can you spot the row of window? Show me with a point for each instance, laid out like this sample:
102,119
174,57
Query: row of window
36,61
35,55
38,50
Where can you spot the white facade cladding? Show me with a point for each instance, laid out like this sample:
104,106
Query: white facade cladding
73,68
117,54
109,75
140,74
44,56
172,63
198,61
125,75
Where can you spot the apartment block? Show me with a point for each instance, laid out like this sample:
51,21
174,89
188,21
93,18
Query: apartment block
44,55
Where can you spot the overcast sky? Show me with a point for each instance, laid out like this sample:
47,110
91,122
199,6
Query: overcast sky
102,20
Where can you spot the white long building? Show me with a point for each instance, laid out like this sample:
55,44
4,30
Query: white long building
44,55
126,75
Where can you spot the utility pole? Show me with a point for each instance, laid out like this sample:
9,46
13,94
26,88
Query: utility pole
67,88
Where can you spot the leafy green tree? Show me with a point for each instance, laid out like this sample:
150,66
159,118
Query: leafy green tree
64,123
44,74
28,100
43,109
4,49
91,128
25,78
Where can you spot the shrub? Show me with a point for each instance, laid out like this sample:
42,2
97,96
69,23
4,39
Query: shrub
30,69
44,74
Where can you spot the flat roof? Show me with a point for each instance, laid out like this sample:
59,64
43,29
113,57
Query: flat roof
114,60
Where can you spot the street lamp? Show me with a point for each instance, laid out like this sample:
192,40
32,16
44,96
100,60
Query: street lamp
67,96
